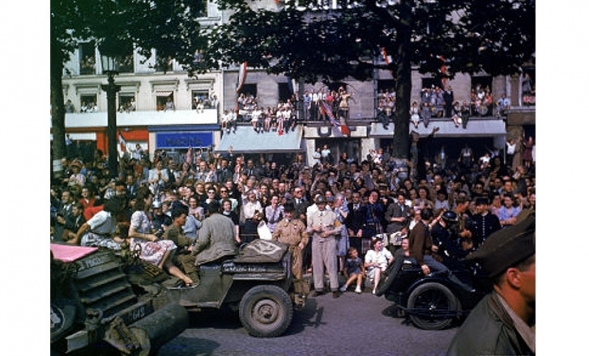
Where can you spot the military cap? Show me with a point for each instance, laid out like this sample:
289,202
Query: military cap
320,200
507,247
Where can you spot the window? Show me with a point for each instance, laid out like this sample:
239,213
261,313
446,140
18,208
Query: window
528,86
484,82
482,95
200,97
250,90
88,103
431,82
127,102
87,57
165,101
284,92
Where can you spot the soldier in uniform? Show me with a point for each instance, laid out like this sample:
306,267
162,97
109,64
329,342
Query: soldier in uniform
503,321
292,232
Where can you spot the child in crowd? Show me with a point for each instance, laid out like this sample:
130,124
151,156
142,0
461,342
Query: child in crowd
353,270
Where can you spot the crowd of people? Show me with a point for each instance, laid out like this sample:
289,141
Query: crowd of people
347,206
318,105
438,102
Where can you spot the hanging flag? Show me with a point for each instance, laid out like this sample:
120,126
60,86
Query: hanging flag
345,130
387,58
326,108
241,76
122,143
443,71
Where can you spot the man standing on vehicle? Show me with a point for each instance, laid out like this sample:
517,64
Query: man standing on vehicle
216,237
503,321
291,231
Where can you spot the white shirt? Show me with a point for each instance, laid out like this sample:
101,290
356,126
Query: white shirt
382,257
102,223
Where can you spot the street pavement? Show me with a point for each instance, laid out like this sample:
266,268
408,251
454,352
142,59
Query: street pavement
354,324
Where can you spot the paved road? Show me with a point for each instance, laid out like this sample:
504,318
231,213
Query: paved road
350,325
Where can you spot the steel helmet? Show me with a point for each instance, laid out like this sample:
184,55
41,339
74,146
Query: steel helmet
156,204
450,217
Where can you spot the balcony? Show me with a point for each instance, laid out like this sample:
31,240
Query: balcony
142,118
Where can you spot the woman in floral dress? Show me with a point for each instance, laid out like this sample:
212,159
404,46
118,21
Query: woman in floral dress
153,250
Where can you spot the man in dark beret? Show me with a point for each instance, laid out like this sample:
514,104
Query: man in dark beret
503,321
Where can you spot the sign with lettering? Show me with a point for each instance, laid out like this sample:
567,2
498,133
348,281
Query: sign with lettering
184,140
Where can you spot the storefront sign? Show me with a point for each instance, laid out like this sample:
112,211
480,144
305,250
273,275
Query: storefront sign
184,140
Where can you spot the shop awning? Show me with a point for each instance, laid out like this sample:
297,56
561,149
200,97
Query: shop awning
246,140
475,128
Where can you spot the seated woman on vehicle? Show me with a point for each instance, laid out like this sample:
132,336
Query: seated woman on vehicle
153,250
376,261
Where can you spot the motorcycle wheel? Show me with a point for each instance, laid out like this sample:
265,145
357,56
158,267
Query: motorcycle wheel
432,306
266,311
390,275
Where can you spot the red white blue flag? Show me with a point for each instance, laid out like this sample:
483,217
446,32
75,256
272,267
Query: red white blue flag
241,76
122,142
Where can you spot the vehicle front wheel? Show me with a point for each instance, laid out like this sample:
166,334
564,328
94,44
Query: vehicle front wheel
266,311
432,306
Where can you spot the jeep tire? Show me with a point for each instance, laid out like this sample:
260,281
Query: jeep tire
266,311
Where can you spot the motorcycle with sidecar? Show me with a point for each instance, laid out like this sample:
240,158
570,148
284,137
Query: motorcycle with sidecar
432,302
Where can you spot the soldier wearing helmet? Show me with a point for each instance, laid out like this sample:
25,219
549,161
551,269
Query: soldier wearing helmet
447,241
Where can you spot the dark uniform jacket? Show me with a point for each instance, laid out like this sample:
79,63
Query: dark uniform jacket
488,330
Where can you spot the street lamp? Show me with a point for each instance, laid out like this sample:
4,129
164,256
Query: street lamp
110,67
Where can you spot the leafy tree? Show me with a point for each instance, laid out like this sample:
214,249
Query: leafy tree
306,40
116,26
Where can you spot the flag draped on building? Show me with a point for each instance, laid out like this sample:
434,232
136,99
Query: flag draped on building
387,58
443,70
241,77
122,143
326,108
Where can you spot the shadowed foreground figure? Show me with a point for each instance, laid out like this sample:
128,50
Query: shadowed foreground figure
503,322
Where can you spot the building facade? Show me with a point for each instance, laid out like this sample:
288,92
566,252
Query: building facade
171,111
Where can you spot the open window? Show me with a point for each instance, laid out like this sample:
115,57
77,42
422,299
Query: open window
88,103
127,102
200,98
165,101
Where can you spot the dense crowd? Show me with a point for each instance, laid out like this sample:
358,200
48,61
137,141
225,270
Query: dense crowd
373,196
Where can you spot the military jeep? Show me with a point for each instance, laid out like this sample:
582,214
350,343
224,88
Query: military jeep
257,283
98,309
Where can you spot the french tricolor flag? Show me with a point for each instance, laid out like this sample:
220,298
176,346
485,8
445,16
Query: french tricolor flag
241,76
122,143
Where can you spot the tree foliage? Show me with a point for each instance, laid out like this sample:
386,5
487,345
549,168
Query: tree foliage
117,27
314,43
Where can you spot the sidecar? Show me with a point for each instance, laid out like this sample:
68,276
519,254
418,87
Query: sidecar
431,302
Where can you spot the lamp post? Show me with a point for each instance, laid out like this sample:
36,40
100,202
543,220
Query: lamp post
110,67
